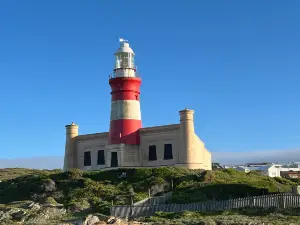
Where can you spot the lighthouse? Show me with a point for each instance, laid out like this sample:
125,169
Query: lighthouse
127,144
125,116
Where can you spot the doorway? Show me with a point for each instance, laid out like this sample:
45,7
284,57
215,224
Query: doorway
114,159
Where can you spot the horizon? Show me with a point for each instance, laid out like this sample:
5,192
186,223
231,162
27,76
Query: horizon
234,63
240,158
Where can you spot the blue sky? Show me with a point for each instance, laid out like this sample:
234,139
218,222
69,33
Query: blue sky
236,63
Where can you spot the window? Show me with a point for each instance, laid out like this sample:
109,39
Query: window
124,60
87,158
152,153
101,159
168,152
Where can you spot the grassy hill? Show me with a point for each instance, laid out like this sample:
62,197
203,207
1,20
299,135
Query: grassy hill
96,190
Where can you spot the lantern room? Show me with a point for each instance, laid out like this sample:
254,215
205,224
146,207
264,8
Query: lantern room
124,65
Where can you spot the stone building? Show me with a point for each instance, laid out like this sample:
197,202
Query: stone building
128,144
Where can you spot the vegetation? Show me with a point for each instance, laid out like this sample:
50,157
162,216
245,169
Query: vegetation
240,217
97,190
226,184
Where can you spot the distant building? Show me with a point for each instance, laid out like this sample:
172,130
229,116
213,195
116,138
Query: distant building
290,174
257,164
271,170
127,144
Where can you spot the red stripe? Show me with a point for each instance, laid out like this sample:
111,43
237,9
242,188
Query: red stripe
125,95
129,130
125,88
126,83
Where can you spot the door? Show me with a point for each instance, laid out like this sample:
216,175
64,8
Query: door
114,159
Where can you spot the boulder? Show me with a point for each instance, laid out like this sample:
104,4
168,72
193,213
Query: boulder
34,206
20,215
46,213
91,220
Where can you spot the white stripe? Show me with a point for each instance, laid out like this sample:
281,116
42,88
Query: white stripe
125,109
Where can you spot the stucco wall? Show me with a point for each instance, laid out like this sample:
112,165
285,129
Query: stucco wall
92,143
159,136
138,155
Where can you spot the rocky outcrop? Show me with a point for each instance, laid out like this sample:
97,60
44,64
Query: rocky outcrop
30,213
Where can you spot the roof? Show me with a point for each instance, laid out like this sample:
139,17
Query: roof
160,128
253,168
124,47
86,137
163,128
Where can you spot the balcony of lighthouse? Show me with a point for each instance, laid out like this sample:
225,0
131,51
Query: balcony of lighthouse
124,73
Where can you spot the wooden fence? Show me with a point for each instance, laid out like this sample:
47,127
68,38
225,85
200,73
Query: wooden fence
283,200
163,199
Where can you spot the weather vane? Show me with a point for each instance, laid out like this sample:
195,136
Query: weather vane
122,40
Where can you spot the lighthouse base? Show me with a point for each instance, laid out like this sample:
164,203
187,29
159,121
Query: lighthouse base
122,155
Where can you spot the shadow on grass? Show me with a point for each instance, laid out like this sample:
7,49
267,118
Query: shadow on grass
215,192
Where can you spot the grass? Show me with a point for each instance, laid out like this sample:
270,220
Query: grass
98,189
242,216
11,173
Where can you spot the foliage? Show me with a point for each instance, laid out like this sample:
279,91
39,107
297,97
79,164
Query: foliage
102,188
241,217
50,201
228,183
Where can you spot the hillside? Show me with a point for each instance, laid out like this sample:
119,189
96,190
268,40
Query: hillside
100,188
82,193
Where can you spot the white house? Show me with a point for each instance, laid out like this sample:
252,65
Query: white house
272,170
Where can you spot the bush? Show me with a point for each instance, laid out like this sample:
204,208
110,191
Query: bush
103,207
74,174
81,205
48,185
50,201
101,187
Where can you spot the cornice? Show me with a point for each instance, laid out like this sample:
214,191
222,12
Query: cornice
87,137
160,129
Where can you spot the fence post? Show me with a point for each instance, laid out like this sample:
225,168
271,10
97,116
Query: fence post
282,201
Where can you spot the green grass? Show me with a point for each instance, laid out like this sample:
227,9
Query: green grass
11,173
226,184
98,189
241,217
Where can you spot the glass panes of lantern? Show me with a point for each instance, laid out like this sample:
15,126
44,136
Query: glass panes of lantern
124,60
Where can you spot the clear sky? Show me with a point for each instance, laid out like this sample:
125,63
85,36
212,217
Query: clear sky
236,63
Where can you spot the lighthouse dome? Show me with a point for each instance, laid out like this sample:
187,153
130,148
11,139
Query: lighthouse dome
124,47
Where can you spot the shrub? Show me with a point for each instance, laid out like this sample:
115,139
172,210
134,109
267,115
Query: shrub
48,185
74,174
50,201
77,206
103,207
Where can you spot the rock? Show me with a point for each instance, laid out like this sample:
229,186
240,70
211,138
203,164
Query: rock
4,216
80,206
90,220
20,215
114,220
111,220
44,214
34,206
101,223
49,201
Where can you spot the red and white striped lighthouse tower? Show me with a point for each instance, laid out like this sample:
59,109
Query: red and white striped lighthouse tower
125,117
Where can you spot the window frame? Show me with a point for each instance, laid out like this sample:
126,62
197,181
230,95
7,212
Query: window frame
87,160
167,151
154,153
103,159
